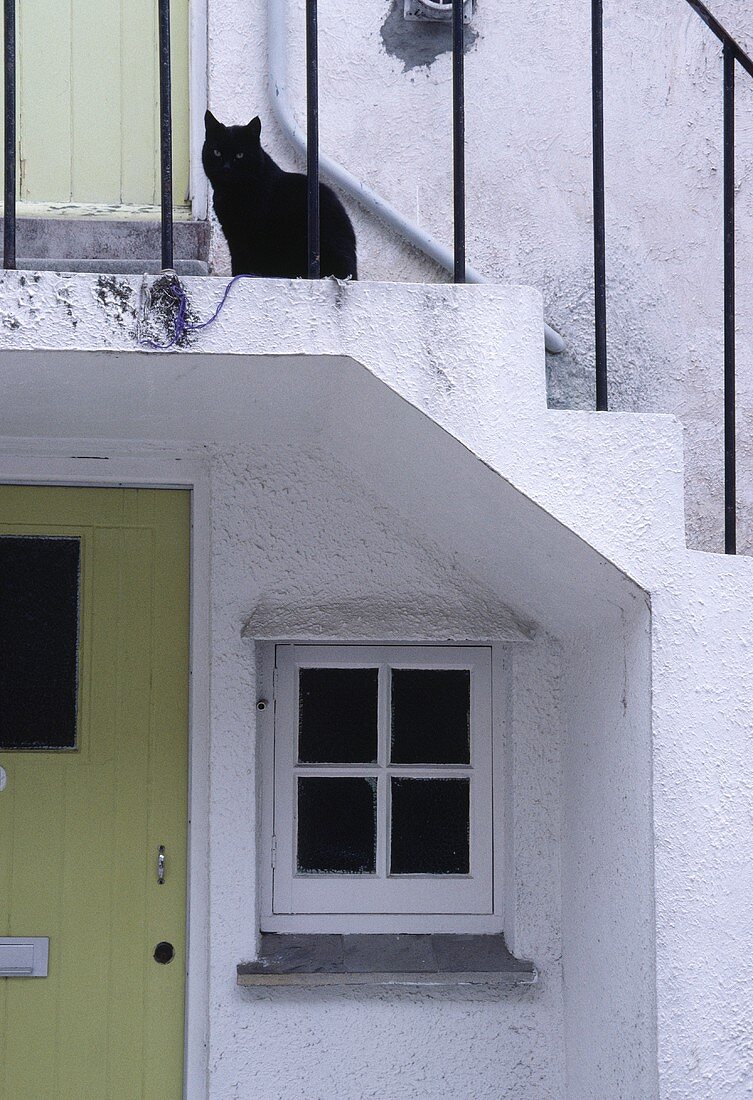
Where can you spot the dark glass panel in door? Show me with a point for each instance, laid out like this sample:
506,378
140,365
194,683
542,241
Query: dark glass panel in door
39,595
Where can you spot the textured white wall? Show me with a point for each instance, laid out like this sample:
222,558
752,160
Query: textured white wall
470,360
293,527
386,117
607,849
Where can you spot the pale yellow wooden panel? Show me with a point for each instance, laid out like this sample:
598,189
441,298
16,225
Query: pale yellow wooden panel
39,829
168,772
82,954
139,134
180,98
58,508
96,87
89,101
129,950
99,688
44,100
108,1022
7,833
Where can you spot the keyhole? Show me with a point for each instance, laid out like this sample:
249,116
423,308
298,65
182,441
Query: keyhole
164,952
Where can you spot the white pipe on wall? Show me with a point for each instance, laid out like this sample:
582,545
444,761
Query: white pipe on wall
341,177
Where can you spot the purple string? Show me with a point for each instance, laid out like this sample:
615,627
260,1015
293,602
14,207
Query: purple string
181,324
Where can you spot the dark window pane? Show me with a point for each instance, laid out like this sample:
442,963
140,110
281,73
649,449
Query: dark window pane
338,715
431,716
337,826
38,642
430,820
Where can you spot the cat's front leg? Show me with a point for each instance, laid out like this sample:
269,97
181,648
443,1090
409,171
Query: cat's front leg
241,263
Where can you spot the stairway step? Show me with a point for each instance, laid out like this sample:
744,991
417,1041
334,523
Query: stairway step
107,238
110,266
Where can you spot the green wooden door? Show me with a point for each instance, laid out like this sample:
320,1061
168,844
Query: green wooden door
88,98
80,827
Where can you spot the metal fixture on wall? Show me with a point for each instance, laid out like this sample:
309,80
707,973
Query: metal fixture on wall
435,11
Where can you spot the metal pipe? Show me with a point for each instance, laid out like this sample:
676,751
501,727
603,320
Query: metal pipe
312,138
600,265
730,489
338,175
458,140
9,211
166,135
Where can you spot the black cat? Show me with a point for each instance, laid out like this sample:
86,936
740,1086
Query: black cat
263,210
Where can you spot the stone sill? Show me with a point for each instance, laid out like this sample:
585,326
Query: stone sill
385,960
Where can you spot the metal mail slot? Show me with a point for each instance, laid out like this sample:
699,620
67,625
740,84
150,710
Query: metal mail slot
24,956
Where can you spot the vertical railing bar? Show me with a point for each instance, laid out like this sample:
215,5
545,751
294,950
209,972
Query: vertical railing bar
166,135
730,473
458,140
600,264
9,211
312,139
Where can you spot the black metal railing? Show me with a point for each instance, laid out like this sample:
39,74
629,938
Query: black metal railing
732,53
312,111
458,139
9,91
166,143
600,260
312,137
165,135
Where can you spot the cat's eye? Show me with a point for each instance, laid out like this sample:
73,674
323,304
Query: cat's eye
217,153
239,156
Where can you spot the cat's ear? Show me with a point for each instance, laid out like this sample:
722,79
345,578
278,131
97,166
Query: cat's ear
253,129
211,124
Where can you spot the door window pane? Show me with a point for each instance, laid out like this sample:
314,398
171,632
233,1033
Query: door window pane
431,716
337,826
337,715
430,827
39,595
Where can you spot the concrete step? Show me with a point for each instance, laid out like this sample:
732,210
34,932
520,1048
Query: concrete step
110,266
107,238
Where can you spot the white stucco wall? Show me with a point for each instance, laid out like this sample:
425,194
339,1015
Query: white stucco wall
295,528
387,118
503,523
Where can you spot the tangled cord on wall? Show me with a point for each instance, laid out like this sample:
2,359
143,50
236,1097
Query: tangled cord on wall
171,290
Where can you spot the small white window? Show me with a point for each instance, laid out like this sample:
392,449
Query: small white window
379,810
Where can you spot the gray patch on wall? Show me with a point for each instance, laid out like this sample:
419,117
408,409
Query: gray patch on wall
115,297
418,44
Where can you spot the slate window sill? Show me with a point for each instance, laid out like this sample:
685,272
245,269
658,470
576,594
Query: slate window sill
378,960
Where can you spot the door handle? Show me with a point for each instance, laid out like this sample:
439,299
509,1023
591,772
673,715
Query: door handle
161,865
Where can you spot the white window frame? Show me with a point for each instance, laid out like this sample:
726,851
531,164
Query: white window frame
349,903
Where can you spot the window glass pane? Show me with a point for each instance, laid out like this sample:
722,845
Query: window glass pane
431,716
337,826
338,715
38,642
430,827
